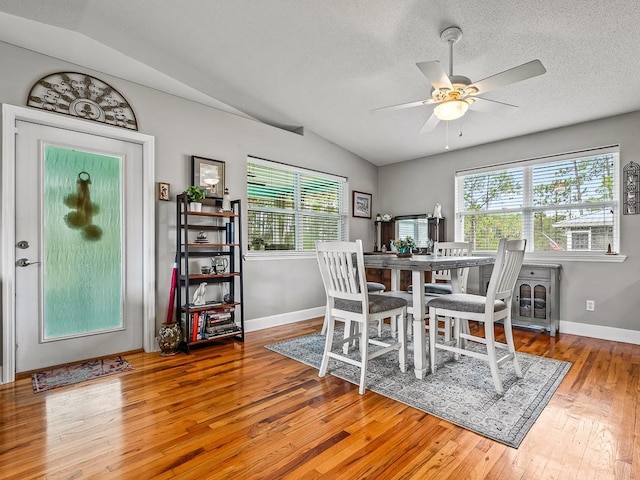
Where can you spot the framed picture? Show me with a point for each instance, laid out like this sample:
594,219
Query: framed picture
164,189
209,174
361,204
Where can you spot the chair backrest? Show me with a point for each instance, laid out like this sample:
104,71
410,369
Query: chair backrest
506,270
452,249
342,269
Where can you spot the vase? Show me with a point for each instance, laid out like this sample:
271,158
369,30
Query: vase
169,338
403,252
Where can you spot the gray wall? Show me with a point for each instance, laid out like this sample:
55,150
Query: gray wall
415,186
183,128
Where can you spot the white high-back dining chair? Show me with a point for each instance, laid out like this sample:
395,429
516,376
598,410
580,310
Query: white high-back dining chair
489,309
343,275
441,279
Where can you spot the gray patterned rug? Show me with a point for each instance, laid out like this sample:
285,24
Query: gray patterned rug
460,392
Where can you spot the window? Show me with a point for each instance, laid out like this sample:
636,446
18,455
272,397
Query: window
578,240
416,228
290,208
562,203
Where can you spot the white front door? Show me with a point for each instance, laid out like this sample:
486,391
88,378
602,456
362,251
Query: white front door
79,246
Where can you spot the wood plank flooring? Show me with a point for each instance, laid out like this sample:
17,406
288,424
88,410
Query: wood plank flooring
240,411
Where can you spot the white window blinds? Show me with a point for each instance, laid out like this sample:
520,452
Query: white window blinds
289,208
562,203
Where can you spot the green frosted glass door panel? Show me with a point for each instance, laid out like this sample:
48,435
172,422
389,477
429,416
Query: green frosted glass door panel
82,243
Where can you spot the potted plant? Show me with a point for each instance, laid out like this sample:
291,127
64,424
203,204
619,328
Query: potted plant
405,247
257,243
195,194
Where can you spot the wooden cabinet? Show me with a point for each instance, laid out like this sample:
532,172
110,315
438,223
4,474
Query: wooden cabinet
209,256
420,227
536,298
386,231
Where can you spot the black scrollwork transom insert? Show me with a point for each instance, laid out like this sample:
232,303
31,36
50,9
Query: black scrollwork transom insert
83,96
631,189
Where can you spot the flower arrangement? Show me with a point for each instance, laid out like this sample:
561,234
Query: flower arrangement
406,245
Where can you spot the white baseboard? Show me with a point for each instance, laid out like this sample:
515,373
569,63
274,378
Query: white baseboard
282,319
572,328
601,332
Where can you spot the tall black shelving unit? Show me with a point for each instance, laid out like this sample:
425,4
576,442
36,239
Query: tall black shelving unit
210,238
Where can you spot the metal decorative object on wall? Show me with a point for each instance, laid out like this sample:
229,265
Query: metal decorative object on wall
631,189
83,96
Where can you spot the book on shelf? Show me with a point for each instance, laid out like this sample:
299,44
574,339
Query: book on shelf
208,324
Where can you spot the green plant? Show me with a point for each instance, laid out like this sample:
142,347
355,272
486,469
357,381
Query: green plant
257,242
407,244
195,193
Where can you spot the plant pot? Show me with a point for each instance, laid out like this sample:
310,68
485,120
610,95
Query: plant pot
169,338
403,252
195,206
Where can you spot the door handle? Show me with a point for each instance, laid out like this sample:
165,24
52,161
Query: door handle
24,262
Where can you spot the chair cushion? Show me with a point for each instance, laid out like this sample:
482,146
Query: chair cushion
377,304
408,297
434,288
465,302
373,287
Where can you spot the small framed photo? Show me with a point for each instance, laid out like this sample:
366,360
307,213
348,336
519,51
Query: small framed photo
164,190
209,174
361,204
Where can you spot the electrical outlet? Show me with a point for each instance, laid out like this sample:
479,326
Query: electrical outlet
591,306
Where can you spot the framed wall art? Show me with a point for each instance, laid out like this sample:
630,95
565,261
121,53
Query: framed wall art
209,174
164,189
361,204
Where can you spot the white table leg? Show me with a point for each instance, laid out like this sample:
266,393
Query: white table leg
419,340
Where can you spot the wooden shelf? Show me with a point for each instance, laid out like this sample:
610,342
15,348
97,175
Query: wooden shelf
224,235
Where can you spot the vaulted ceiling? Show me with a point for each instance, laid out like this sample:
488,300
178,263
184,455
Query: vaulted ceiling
325,64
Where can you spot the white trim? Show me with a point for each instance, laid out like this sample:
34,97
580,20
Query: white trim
283,319
601,332
587,152
278,255
578,257
10,114
564,257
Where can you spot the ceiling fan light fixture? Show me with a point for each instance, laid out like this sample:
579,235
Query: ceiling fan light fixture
451,109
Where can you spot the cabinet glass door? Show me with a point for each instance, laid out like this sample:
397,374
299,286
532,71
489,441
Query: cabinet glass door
525,301
540,301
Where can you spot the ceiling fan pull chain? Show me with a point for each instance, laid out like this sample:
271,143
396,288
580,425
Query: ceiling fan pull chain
447,145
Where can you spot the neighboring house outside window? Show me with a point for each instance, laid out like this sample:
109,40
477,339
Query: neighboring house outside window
559,204
290,208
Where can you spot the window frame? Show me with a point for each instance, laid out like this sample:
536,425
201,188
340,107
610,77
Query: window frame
298,212
528,209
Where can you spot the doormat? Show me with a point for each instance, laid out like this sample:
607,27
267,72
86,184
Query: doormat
81,372
461,392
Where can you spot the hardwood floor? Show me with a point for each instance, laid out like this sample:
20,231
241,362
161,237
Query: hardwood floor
240,411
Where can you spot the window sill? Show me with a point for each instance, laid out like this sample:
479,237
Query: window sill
567,257
268,255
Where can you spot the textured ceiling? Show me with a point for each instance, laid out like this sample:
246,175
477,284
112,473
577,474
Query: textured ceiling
325,64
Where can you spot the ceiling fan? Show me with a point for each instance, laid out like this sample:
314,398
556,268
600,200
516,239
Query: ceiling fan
452,95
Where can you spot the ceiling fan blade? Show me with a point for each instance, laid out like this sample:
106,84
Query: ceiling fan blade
435,74
513,75
484,105
430,124
405,105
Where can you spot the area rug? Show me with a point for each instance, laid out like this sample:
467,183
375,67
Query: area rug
460,392
81,372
